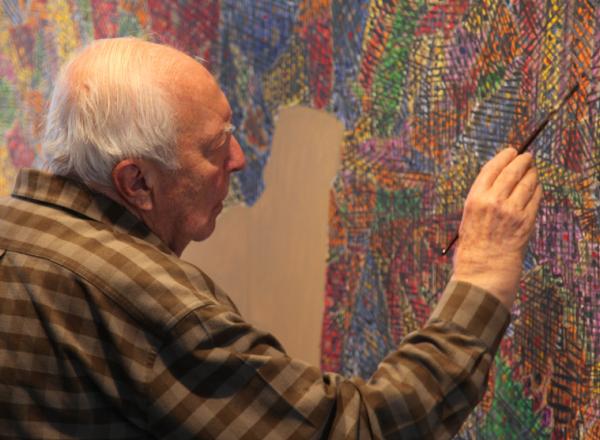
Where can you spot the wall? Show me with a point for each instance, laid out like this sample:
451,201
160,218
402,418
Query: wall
427,92
271,257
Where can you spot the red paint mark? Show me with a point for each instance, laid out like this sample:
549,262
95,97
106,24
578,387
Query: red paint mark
444,17
192,27
21,153
22,37
317,34
106,18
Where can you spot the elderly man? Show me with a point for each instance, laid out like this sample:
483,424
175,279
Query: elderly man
106,333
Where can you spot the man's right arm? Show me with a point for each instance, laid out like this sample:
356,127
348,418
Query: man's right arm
218,377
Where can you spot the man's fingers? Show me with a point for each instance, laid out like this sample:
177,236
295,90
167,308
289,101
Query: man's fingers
525,188
534,203
511,175
492,169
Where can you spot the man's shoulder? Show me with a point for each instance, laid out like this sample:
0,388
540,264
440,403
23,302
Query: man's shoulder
154,287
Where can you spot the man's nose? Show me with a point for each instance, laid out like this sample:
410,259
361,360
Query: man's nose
237,158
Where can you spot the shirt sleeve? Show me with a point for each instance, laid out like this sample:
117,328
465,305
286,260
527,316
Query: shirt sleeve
218,377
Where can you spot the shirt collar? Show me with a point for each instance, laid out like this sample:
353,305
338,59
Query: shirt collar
72,195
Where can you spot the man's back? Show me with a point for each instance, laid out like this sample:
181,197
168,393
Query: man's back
86,297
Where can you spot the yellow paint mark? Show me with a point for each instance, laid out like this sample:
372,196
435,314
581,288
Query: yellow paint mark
66,38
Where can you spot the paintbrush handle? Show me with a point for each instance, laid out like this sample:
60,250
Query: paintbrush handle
534,135
545,121
526,144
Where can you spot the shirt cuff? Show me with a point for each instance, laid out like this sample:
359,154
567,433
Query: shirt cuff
475,310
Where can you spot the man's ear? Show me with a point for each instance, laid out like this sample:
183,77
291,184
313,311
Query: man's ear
131,179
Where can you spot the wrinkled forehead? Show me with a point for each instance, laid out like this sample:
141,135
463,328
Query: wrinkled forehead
202,112
195,93
186,77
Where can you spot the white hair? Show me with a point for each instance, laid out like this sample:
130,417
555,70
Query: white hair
108,104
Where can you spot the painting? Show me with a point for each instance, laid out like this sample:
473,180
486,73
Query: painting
427,91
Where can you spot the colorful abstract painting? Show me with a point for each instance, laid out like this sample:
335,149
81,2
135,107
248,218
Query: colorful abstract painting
427,91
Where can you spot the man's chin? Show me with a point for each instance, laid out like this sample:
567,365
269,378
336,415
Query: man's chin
206,230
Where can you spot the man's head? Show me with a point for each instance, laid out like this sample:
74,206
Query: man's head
149,126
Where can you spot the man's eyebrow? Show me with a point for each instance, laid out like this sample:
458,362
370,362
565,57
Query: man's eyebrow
228,128
219,136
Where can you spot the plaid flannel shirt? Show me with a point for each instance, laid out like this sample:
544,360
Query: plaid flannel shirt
105,333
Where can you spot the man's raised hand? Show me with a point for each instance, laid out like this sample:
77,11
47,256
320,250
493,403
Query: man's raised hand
498,218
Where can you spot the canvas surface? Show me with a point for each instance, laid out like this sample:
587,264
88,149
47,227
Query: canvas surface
427,92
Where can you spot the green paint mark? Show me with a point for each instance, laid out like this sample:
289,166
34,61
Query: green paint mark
129,24
7,106
394,205
83,17
39,56
511,416
388,84
488,84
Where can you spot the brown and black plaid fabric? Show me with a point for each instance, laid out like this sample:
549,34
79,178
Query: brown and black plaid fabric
105,334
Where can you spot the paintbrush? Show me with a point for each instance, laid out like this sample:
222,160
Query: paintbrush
523,147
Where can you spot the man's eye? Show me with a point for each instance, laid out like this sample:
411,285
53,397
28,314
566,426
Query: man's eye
225,142
220,145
